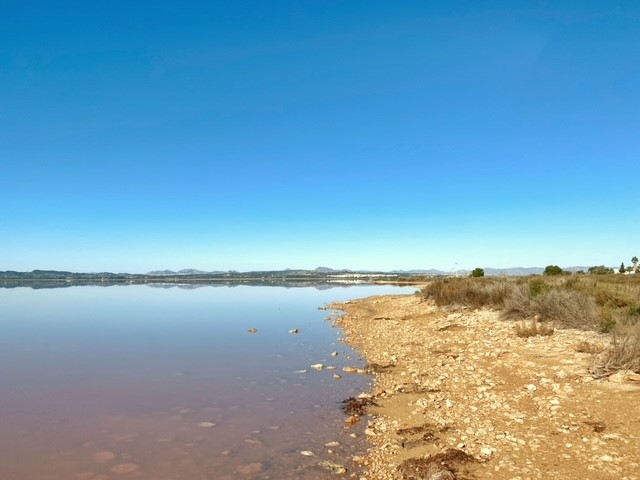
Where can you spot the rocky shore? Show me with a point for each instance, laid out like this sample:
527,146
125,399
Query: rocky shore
459,395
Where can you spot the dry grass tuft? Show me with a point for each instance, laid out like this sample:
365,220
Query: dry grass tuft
532,328
624,353
590,348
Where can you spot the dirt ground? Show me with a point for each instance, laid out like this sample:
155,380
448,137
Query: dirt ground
459,395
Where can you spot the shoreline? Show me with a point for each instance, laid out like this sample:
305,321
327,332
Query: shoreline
459,387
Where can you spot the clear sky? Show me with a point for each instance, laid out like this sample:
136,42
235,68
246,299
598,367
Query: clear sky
357,134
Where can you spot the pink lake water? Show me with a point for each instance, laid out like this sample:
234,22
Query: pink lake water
125,382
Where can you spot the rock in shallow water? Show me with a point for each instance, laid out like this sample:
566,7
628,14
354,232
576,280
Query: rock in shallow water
333,467
207,424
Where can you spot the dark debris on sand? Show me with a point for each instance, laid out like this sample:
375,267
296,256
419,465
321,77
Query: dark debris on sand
441,466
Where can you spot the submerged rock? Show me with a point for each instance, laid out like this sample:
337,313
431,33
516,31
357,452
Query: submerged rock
207,424
333,467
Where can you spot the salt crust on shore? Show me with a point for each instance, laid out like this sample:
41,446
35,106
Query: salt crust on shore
523,408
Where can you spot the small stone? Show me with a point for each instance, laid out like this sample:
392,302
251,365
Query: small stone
317,366
253,330
249,468
606,458
124,468
307,453
352,420
332,444
334,354
349,369
337,376
486,452
531,387
295,330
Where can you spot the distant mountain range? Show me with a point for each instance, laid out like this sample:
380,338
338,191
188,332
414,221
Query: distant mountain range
320,272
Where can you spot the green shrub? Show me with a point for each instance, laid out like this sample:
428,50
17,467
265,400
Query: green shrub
600,270
552,270
477,272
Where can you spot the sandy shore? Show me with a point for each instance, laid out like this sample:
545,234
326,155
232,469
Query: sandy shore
461,384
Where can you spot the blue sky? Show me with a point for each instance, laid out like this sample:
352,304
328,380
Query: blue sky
351,134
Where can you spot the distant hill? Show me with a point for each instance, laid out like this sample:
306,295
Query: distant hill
319,272
185,271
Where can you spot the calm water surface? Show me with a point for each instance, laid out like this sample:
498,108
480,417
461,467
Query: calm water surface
115,383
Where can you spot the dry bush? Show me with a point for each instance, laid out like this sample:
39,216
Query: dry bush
469,292
519,304
569,309
624,353
532,328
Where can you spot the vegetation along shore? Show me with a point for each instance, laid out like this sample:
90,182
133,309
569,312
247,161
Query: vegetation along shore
503,378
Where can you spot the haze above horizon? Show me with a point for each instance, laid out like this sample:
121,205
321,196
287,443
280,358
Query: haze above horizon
369,135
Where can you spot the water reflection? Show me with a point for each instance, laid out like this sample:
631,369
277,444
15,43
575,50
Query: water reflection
139,382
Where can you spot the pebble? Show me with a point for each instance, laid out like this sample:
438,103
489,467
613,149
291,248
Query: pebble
307,453
317,366
486,452
295,330
253,330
